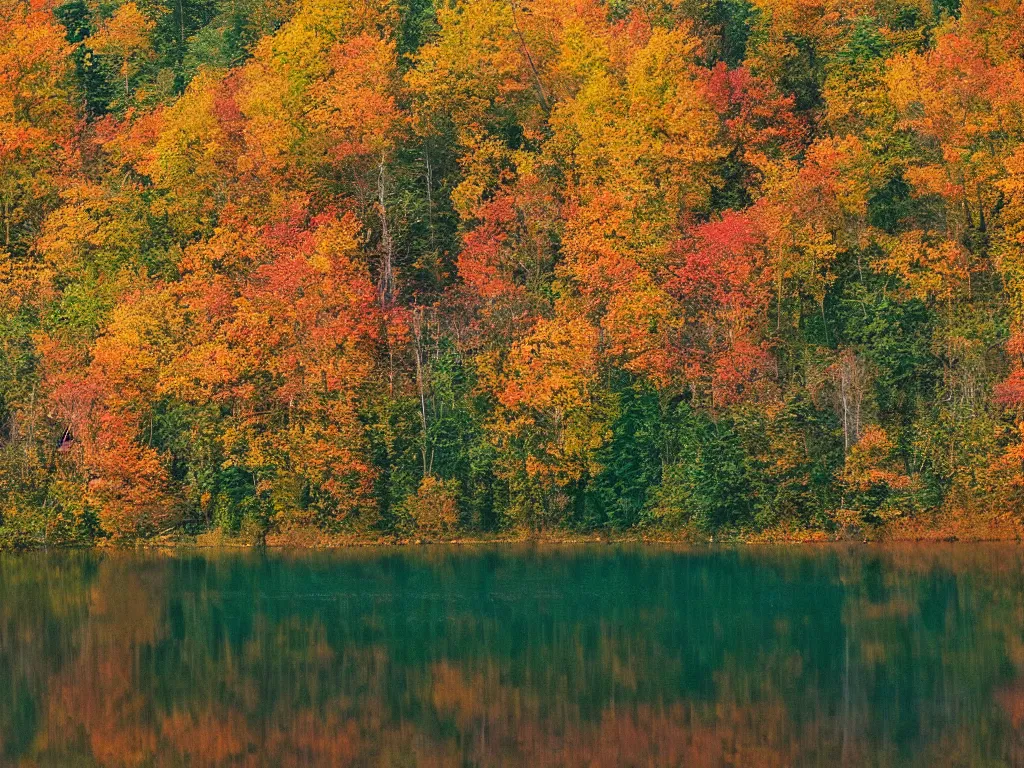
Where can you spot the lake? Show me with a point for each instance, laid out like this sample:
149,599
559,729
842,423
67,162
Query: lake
515,655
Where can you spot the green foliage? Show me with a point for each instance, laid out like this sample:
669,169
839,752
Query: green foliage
632,460
705,485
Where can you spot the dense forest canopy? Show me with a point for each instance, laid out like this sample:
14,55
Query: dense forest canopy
484,265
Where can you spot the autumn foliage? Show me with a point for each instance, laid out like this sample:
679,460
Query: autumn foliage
487,265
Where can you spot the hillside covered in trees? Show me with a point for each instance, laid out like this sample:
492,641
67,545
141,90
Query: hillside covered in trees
472,266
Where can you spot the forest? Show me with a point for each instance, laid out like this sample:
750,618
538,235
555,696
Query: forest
455,268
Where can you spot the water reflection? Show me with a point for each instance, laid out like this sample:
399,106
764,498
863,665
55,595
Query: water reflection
549,656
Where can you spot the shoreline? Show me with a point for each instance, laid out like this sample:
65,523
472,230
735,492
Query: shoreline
313,540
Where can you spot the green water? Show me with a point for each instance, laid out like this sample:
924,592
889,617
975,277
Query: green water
588,655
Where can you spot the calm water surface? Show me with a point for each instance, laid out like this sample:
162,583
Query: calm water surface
588,655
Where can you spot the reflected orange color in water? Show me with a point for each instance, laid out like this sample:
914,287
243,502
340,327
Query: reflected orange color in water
588,656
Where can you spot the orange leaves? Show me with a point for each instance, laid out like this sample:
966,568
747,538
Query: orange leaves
650,132
998,23
724,281
785,24
37,119
553,406
494,62
324,84
692,317
126,36
554,367
303,336
812,213
434,506
476,71
598,255
964,106
832,186
284,345
310,295
125,33
510,249
582,195
129,482
297,50
738,370
481,259
622,285
355,105
870,464
142,337
33,65
642,325
948,93
304,307
932,270
268,332
646,145
130,486
1010,238
643,142
104,408
1011,391
660,76
758,120
195,154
